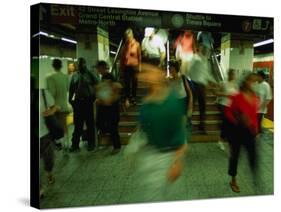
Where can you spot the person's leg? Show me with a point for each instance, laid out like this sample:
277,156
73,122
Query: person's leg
78,125
134,83
202,105
250,145
233,161
222,127
127,86
260,117
90,124
115,137
48,156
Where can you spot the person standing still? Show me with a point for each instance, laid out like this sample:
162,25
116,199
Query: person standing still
82,97
57,85
108,113
263,90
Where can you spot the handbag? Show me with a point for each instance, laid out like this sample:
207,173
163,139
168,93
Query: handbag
54,126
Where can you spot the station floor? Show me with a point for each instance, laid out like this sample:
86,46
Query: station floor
99,178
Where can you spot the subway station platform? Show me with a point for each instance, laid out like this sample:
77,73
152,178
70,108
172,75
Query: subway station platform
99,178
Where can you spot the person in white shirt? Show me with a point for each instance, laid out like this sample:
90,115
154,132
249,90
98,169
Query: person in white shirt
153,48
46,140
263,91
199,73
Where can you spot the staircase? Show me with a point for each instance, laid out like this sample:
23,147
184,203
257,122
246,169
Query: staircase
128,120
128,117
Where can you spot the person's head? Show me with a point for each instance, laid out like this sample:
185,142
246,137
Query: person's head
174,68
57,64
248,81
149,32
231,74
71,68
102,67
81,64
261,76
129,35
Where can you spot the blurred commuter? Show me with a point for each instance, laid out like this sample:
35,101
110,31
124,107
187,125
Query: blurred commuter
226,90
182,88
82,97
242,117
162,121
263,90
185,48
205,40
199,73
153,48
108,114
130,62
46,139
57,85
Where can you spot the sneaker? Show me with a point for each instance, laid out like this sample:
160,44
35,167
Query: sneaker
74,149
115,151
127,103
221,145
51,180
234,187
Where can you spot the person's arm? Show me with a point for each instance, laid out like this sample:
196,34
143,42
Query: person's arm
51,111
71,89
190,99
162,52
268,95
139,56
162,58
177,165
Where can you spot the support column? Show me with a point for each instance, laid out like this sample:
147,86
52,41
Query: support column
93,47
237,53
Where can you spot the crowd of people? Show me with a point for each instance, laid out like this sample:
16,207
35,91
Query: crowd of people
166,112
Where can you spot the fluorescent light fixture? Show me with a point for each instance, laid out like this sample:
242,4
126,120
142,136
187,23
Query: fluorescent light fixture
41,33
44,33
112,52
51,36
262,43
69,40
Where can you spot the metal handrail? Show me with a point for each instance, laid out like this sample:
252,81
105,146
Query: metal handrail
215,59
115,60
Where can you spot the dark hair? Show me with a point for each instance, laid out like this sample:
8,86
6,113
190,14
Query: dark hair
57,64
175,64
101,63
81,61
245,79
262,74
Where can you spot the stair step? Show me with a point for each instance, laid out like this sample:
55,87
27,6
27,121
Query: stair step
195,117
212,136
210,125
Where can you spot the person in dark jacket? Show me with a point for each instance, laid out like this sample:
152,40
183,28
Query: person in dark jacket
108,114
82,97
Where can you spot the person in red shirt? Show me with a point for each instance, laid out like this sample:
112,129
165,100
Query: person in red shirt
242,115
130,62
